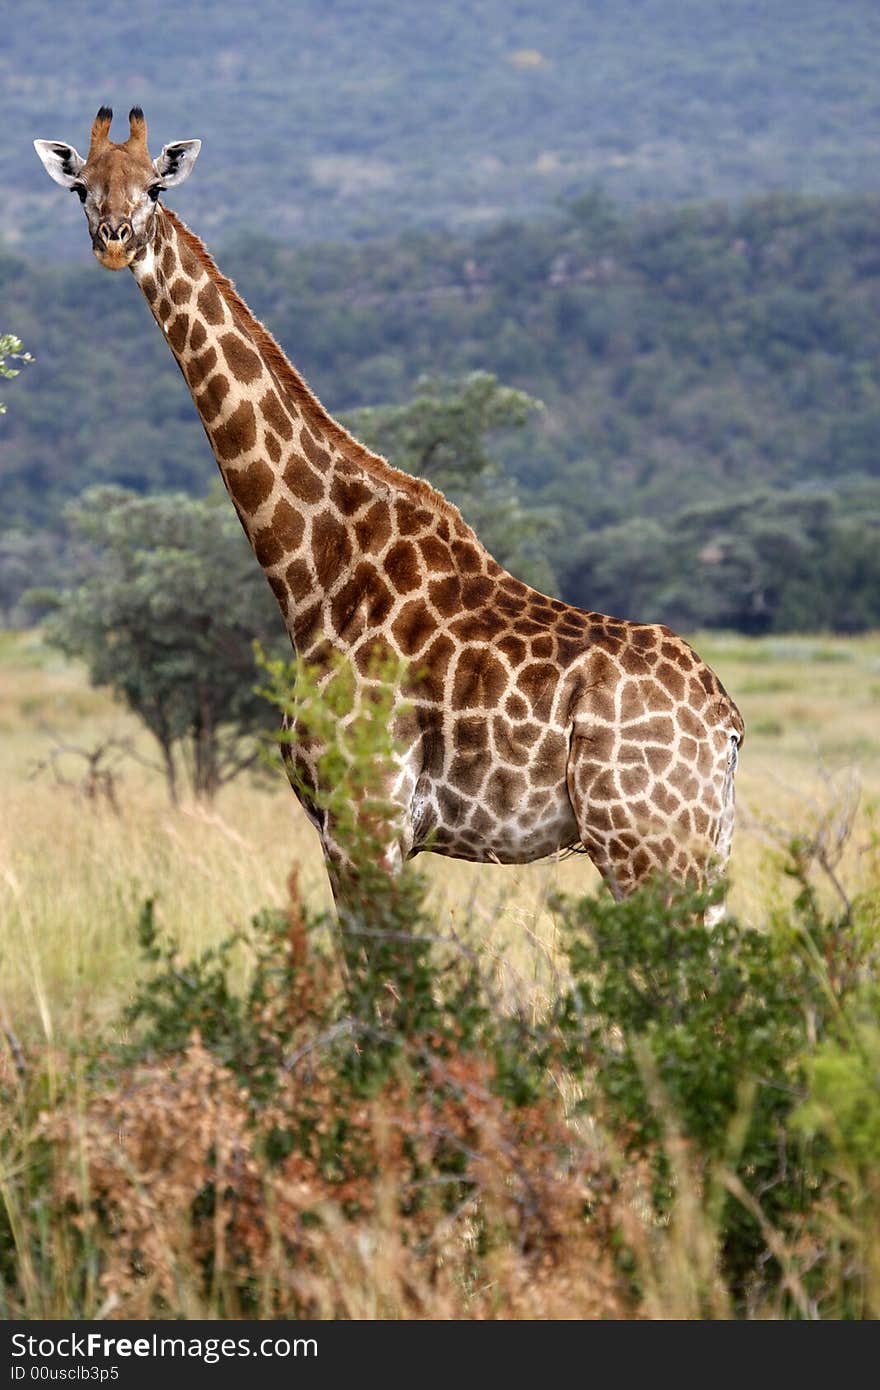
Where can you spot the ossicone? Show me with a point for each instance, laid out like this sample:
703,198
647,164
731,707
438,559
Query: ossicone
137,127
100,130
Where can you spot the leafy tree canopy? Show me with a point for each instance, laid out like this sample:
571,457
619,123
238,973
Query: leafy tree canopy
443,435
166,615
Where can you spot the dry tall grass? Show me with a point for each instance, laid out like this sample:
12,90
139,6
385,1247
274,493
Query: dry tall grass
74,872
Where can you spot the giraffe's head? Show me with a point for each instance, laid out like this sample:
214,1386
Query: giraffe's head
118,185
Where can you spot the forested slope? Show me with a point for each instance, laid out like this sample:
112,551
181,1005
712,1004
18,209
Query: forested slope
711,376
336,118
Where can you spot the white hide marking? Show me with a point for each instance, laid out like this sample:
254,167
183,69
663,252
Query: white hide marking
145,266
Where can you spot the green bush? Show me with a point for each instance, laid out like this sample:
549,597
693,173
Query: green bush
757,1046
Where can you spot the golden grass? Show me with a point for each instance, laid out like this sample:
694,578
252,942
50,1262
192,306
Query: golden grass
72,875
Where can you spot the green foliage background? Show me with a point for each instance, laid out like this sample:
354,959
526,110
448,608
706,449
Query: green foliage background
710,376
659,218
332,119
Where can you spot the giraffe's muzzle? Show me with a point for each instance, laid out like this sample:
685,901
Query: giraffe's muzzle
114,243
115,231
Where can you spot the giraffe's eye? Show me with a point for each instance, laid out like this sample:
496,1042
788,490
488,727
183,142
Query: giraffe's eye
154,190
80,190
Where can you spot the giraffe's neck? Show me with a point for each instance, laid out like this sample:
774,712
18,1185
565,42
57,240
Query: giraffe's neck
310,498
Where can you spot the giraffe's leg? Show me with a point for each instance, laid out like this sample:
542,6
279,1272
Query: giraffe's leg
378,951
724,834
366,834
347,898
632,829
609,829
368,893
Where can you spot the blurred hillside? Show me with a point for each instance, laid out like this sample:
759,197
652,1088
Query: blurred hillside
710,446
658,216
343,118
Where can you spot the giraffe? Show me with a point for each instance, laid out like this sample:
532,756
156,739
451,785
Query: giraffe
533,727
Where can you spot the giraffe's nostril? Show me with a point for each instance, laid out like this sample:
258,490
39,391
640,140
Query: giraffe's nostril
107,232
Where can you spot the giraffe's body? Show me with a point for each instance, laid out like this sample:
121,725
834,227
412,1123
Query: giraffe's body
532,726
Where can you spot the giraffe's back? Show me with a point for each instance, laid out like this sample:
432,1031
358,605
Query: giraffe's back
518,687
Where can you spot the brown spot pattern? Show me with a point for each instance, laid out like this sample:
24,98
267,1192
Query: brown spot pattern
210,304
242,361
527,713
288,525
238,434
211,397
267,547
480,679
331,547
349,495
303,481
198,367
177,332
312,450
251,486
402,567
413,626
274,414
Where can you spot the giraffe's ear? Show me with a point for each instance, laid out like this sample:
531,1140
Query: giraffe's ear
176,161
62,162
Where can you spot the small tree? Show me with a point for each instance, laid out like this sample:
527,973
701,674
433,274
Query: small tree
166,615
441,435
